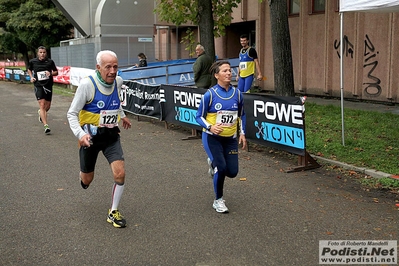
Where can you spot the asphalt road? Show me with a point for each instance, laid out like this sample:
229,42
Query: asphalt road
276,218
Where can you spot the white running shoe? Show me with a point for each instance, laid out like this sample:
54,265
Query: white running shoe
219,206
40,119
46,129
211,171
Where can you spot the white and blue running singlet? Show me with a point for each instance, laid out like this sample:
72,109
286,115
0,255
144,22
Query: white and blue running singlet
247,64
102,110
219,106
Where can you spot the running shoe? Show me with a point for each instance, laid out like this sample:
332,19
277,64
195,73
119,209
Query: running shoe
46,129
116,219
211,171
219,206
83,185
40,119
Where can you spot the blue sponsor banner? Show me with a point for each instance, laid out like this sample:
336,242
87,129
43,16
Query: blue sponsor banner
181,79
272,121
288,136
178,69
153,81
186,115
186,79
180,104
16,74
275,121
142,73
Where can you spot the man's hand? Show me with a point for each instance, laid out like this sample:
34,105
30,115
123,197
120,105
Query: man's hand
85,141
126,123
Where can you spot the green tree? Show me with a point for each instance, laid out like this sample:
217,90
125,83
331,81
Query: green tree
31,23
211,16
9,42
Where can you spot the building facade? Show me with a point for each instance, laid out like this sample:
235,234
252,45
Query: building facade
124,26
370,44
370,48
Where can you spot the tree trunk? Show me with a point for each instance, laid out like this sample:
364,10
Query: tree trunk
205,24
281,44
26,59
23,49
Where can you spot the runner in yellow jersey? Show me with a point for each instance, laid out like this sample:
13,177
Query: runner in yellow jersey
221,114
248,62
93,117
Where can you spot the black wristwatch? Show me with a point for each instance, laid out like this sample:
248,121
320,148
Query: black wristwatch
209,127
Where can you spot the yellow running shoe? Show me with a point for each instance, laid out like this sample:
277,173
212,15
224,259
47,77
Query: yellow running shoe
116,219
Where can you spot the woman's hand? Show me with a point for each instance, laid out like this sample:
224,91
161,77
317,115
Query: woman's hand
216,129
243,140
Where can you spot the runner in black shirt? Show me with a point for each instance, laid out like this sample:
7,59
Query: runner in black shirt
41,71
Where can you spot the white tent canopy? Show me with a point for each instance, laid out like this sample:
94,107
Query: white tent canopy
369,5
359,6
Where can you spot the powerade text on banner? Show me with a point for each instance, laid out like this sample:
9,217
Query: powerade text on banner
180,105
271,120
276,120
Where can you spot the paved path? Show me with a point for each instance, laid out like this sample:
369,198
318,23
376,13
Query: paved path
276,218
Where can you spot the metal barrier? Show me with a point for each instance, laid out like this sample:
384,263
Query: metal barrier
177,72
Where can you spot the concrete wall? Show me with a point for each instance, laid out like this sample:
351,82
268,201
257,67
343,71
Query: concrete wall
126,27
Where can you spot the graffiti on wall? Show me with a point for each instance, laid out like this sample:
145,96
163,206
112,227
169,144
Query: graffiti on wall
372,86
347,48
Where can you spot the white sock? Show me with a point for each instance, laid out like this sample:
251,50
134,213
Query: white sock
117,191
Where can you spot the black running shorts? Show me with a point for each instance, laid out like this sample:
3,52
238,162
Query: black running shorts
88,155
44,92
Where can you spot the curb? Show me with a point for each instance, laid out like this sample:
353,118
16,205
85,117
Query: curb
370,172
